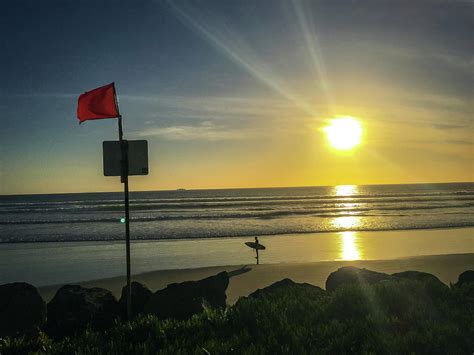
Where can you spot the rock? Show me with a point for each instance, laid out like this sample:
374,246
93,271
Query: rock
431,285
465,277
418,276
183,300
283,286
353,275
74,307
22,310
465,287
140,296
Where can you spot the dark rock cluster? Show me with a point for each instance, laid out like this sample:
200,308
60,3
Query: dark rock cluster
140,297
465,278
22,310
356,276
284,285
183,300
73,308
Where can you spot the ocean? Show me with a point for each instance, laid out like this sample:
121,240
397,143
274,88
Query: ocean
159,215
67,238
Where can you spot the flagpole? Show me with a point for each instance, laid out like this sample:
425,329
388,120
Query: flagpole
120,130
88,104
124,180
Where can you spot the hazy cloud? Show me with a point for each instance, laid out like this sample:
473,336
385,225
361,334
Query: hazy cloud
208,131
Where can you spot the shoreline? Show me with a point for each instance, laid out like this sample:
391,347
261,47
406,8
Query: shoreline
245,279
55,263
447,228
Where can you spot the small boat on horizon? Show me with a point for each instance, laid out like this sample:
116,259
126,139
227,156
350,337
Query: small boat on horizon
180,189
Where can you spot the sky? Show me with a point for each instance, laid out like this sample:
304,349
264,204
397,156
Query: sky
236,93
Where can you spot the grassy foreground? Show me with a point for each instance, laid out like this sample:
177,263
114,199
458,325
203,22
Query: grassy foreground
392,317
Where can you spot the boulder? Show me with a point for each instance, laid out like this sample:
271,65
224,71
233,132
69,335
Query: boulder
283,286
140,296
418,276
431,285
74,307
183,300
353,275
22,310
465,277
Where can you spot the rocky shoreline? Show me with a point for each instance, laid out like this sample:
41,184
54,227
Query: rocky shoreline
74,308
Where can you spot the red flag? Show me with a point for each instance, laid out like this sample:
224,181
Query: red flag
98,103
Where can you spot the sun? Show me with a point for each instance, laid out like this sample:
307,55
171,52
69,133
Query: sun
344,133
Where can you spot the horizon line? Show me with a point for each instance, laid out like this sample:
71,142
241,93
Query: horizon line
237,188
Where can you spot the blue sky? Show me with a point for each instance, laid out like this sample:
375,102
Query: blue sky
235,93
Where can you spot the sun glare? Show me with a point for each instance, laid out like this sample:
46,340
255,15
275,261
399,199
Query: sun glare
350,250
346,190
344,133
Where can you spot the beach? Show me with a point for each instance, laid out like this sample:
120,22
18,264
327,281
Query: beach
43,264
244,279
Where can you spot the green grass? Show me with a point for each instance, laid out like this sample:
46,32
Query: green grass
388,318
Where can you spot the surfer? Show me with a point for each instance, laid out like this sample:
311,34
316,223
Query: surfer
256,249
257,246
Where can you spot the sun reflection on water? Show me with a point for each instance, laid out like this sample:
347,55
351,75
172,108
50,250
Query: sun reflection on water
346,204
345,222
346,190
349,248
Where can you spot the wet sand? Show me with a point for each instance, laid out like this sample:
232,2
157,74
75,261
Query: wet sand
247,278
43,264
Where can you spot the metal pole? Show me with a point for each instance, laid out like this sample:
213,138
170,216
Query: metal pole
127,245
120,130
124,180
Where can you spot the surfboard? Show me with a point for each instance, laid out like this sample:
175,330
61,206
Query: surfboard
254,245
